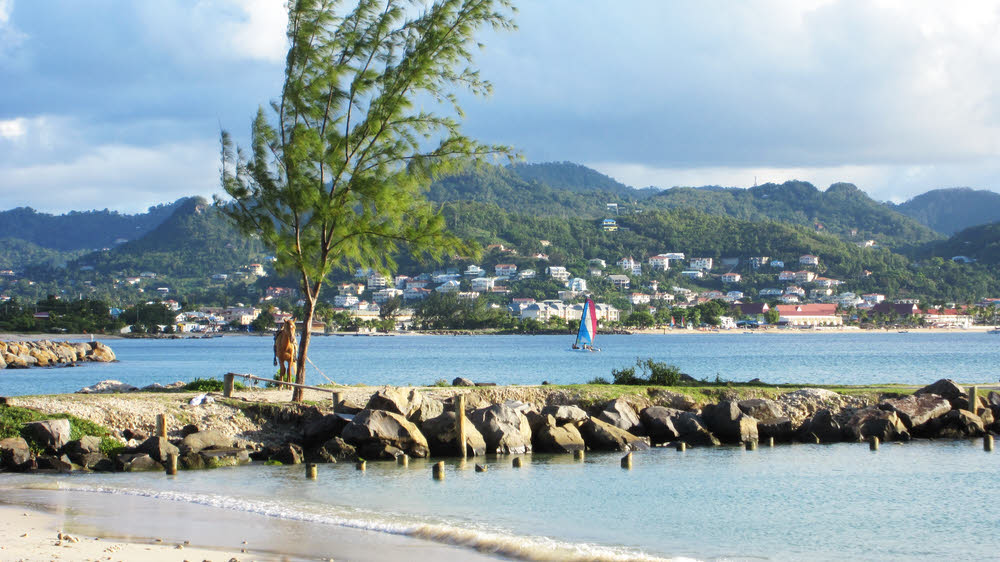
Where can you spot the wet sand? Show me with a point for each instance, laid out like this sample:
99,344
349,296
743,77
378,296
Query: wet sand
137,528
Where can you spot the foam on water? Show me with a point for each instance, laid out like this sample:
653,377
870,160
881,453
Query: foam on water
533,548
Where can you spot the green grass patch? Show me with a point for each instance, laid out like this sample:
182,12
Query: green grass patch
13,419
211,385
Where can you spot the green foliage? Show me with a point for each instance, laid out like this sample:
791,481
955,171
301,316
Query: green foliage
64,315
210,385
951,210
650,372
441,382
77,230
13,418
598,380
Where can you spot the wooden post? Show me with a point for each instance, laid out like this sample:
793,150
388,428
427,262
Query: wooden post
480,468
337,396
172,464
360,465
227,384
518,463
815,438
873,443
161,425
311,471
770,441
578,454
460,424
974,399
681,446
750,445
627,461
438,470
403,460
988,443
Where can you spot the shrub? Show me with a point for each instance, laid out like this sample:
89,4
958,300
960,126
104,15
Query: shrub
598,380
651,372
441,382
210,385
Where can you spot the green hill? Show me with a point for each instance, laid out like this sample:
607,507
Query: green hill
573,177
87,230
951,210
981,243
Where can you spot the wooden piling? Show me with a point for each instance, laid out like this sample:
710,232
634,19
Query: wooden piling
873,443
337,397
974,399
770,441
578,454
227,384
681,446
627,461
460,423
518,463
161,425
360,465
988,443
750,445
438,470
311,471
172,464
403,460
480,468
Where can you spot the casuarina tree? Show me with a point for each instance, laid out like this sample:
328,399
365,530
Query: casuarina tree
335,174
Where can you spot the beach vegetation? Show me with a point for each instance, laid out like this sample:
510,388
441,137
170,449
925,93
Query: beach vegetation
368,115
649,372
14,418
211,385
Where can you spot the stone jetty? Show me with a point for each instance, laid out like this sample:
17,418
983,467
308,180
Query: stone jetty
387,423
45,353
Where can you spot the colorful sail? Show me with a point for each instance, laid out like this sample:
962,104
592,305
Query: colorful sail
588,325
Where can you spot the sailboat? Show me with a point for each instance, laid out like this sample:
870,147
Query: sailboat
588,328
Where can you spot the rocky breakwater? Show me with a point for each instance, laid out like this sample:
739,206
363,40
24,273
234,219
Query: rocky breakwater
46,353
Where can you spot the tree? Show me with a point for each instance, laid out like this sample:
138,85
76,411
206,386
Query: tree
336,177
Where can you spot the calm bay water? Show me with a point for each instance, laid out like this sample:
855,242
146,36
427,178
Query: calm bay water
824,358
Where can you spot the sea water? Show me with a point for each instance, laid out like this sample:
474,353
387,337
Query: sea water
815,358
916,501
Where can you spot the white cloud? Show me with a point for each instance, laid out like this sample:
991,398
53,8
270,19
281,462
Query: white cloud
12,128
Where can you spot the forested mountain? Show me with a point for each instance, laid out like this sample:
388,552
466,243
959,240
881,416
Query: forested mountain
17,253
195,241
981,243
574,177
951,210
76,230
842,210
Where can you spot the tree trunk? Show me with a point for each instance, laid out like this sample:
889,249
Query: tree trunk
300,363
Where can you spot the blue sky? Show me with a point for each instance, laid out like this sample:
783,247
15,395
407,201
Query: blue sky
117,104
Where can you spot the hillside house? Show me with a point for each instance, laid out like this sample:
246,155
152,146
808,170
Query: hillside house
505,270
704,264
620,282
793,290
771,292
639,298
415,293
483,284
733,296
873,298
557,272
731,277
948,318
827,282
630,265
377,281
540,256
345,300
598,262
526,274
578,284
757,261
474,271
809,315
220,277
661,262
786,276
777,264
693,273
609,225
383,295
809,259
804,276
449,287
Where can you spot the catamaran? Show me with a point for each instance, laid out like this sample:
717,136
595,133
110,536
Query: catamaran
588,328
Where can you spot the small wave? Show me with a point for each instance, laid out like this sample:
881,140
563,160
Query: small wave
540,549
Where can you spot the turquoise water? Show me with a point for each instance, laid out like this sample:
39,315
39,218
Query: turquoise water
825,358
918,501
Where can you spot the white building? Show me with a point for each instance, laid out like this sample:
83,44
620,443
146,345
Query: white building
483,284
630,265
704,264
557,272
474,271
382,295
578,284
661,262
693,274
377,281
809,259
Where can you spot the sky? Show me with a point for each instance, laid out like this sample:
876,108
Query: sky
118,104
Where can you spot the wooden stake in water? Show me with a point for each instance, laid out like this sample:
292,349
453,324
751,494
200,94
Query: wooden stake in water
988,443
770,441
311,471
460,423
517,462
578,454
438,470
161,425
873,443
172,464
627,461
480,468
360,465
751,445
681,446
403,460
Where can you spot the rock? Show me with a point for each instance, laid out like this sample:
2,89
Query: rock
52,434
189,429
779,428
289,453
195,442
395,400
875,422
348,406
670,399
620,414
55,462
137,462
100,352
461,381
380,427
133,435
917,409
224,456
727,422
659,425
602,436
14,453
157,387
107,387
948,389
824,426
565,414
802,404
442,436
552,438
192,461
158,448
320,430
760,408
340,449
98,462
82,446
957,424
429,408
504,429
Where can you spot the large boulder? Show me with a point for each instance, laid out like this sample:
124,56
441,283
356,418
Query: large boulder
674,400
100,352
565,414
957,424
320,430
824,426
602,436
137,462
82,446
288,453
875,422
337,448
692,430
224,456
462,381
374,432
620,414
948,389
209,439
553,438
107,387
52,434
779,428
395,400
802,404
659,425
158,448
442,436
98,462
917,409
760,408
427,409
504,428
14,453
727,422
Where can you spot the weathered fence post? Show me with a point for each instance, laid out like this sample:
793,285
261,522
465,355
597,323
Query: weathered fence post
974,399
311,471
360,465
681,446
578,454
770,441
227,384
403,460
460,423
172,464
161,425
873,443
518,463
336,400
627,461
988,443
438,470
750,445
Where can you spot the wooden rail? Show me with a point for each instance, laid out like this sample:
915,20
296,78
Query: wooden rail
228,381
